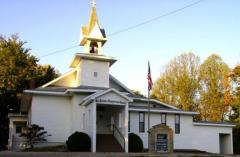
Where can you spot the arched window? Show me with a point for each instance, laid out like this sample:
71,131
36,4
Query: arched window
93,47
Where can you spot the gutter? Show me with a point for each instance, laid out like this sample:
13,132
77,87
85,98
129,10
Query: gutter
213,124
45,92
163,111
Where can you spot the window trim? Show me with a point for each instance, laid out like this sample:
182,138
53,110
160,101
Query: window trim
177,131
95,74
142,131
165,123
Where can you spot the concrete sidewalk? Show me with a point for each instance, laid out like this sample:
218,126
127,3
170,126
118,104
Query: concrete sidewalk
71,154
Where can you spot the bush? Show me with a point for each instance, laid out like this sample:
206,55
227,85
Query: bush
135,143
79,142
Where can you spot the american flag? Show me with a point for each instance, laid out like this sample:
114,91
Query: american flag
149,77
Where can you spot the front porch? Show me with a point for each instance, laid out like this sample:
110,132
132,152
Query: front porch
110,128
107,121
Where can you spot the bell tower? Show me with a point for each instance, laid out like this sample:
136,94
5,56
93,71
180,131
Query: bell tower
92,36
92,67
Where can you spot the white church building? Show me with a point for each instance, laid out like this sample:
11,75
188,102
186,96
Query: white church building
89,99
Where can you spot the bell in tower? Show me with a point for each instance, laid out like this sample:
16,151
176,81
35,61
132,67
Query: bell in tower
92,36
93,48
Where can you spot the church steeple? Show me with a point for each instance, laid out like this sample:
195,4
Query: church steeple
93,37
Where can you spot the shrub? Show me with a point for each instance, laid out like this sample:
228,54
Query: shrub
34,134
79,142
135,143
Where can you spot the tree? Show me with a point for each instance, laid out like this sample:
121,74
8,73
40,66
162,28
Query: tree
44,74
178,84
235,107
215,90
137,93
17,68
35,134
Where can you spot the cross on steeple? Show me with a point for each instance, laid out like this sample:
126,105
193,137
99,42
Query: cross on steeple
93,3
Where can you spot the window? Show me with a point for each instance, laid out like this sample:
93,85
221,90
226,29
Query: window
128,121
177,124
18,129
163,118
141,122
95,74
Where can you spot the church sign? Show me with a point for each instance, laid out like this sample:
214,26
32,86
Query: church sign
161,143
160,139
110,101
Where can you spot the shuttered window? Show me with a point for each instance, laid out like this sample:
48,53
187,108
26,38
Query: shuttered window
141,122
163,118
177,124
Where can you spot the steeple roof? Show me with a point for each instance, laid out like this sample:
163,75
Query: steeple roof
93,20
92,30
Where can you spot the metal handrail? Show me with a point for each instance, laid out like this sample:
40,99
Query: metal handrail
121,135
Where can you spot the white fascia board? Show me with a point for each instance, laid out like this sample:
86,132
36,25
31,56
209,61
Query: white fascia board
45,92
59,78
163,111
92,96
88,99
213,124
85,103
153,100
115,91
59,93
112,103
82,90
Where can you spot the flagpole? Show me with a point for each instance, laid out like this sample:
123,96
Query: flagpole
148,112
149,77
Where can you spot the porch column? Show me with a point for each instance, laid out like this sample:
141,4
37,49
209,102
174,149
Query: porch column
11,129
126,128
94,114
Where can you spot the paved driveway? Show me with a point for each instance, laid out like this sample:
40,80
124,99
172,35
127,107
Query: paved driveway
69,154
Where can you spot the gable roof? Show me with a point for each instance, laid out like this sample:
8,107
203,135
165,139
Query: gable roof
114,83
144,99
59,78
93,26
93,20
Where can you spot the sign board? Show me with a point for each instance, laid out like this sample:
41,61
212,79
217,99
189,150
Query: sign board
161,143
110,101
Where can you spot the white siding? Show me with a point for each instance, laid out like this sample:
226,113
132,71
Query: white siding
54,114
77,112
205,138
88,67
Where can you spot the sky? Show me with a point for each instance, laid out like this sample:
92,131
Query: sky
212,26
